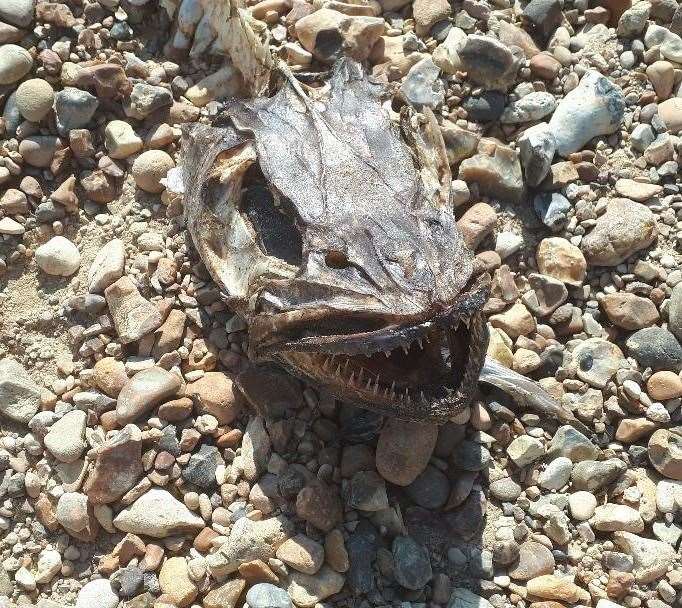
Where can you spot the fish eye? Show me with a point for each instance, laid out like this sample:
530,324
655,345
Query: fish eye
336,259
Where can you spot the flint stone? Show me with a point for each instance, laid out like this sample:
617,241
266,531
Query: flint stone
595,107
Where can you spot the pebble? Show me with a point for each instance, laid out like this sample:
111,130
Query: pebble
66,438
21,396
595,107
630,311
107,267
121,140
38,150
531,107
306,590
34,99
557,474
411,563
598,360
144,391
133,315
651,557
73,109
560,259
525,450
149,168
58,257
302,554
655,347
15,63
665,453
624,229
404,450
175,582
158,514
97,594
17,12
614,517
582,505
265,595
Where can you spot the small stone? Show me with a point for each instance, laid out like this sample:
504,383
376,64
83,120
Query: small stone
477,223
595,107
11,227
38,150
144,391
428,12
255,448
560,259
515,322
631,430
15,63
367,492
598,360
665,453
613,517
302,554
215,395
248,540
306,590
133,315
335,551
158,514
145,99
34,99
421,86
486,107
404,449
430,489
17,12
593,475
463,598
505,489
629,311
149,168
670,112
524,450
652,558
49,565
497,172
624,229
572,444
488,62
97,594
227,596
637,191
552,208
655,347
319,505
531,107
121,140
20,396
553,587
664,385
201,468
534,560
557,474
107,267
265,595
66,438
117,466
176,583
73,109
675,311
75,514
411,563
582,505
58,257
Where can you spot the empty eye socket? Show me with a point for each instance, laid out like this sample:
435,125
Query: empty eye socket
336,259
275,226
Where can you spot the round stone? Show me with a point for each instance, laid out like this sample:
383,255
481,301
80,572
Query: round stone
149,168
411,563
97,594
557,474
665,453
15,63
265,595
59,257
582,505
34,98
121,140
655,347
17,12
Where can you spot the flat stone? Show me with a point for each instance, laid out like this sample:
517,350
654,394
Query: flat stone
477,223
145,99
19,394
631,430
97,594
144,391
662,386
624,229
505,489
265,595
411,563
158,514
497,171
117,466
107,267
430,489
17,12
404,449
593,475
15,63
488,62
553,587
214,394
531,107
227,596
598,360
557,474
66,438
133,315
629,311
637,191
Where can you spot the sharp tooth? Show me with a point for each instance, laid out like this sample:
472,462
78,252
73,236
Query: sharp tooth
352,377
345,365
376,387
362,369
405,349
393,388
421,344
338,369
421,394
325,366
369,384
387,353
407,395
